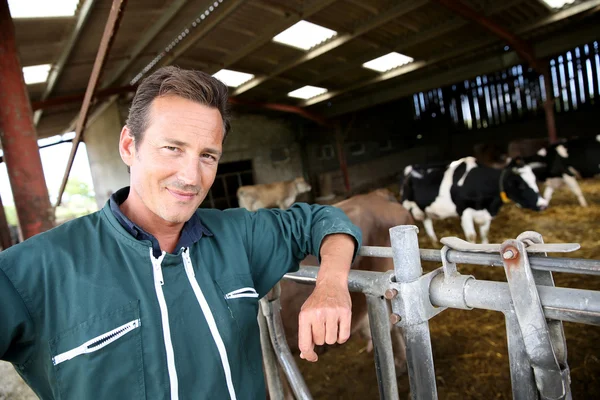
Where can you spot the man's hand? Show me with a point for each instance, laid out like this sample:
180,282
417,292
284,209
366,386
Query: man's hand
326,315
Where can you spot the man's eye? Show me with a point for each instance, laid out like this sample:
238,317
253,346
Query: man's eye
209,156
171,148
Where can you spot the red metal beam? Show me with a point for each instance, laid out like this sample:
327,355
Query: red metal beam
110,31
18,136
523,49
284,108
76,98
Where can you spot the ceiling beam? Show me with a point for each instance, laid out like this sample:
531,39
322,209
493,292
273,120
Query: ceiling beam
405,43
225,9
270,32
147,38
463,50
58,67
407,87
522,47
364,5
380,19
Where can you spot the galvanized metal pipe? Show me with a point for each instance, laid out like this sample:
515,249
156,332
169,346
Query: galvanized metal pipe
382,347
557,264
521,374
419,355
574,305
274,386
564,304
271,309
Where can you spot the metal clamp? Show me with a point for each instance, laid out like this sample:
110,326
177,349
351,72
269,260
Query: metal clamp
551,378
462,245
412,305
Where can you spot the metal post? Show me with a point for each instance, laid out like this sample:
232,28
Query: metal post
419,356
521,374
18,136
271,309
274,386
382,347
549,105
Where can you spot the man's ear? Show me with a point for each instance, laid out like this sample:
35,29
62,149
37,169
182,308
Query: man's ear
127,146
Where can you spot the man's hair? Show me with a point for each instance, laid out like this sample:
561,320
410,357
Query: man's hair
193,85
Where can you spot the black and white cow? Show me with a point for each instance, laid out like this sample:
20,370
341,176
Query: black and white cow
468,190
564,162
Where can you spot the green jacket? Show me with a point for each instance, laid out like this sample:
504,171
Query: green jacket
87,312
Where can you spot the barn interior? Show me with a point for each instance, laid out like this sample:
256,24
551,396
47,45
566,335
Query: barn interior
378,86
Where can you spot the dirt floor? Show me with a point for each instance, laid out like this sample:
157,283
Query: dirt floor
469,347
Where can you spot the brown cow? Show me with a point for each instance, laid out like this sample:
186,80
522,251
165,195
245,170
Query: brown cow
375,213
277,194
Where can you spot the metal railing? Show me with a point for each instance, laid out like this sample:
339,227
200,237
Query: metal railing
534,310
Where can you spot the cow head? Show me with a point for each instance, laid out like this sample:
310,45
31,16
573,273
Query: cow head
301,185
519,184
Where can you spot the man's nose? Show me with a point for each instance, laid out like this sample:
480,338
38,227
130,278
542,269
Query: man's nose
189,172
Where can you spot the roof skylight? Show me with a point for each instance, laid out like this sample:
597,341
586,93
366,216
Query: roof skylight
36,73
558,3
233,78
42,8
304,35
389,61
307,92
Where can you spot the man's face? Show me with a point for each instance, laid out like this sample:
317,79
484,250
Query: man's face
175,164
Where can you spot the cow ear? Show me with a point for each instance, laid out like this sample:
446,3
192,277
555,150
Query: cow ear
515,170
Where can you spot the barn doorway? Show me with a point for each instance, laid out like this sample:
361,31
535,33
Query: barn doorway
230,176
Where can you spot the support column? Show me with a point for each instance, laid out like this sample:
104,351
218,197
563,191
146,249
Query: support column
109,173
549,104
19,138
339,140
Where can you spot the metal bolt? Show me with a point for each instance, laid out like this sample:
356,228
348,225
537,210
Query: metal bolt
395,318
508,254
390,294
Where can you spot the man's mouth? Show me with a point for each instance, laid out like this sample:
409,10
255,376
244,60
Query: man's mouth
183,196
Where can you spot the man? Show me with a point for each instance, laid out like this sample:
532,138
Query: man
153,298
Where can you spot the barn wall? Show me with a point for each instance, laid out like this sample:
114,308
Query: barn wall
269,141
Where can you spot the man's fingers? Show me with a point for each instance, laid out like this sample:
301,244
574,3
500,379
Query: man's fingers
318,331
344,329
305,339
331,329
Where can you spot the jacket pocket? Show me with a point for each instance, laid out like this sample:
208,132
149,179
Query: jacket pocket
242,301
242,292
101,357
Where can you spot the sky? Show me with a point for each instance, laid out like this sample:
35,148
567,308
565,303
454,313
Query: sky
54,163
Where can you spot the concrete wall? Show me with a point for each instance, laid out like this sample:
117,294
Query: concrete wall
264,139
109,173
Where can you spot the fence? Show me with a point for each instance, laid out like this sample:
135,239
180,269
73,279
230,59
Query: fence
533,308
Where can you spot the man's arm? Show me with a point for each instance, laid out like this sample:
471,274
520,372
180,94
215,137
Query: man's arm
327,313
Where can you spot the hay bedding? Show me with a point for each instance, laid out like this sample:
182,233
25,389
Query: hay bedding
469,347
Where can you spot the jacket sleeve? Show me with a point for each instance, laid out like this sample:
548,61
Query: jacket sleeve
16,325
280,239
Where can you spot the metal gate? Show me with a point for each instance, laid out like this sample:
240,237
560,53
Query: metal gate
533,308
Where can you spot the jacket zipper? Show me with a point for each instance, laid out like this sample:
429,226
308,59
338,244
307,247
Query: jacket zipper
164,314
189,270
242,292
97,343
